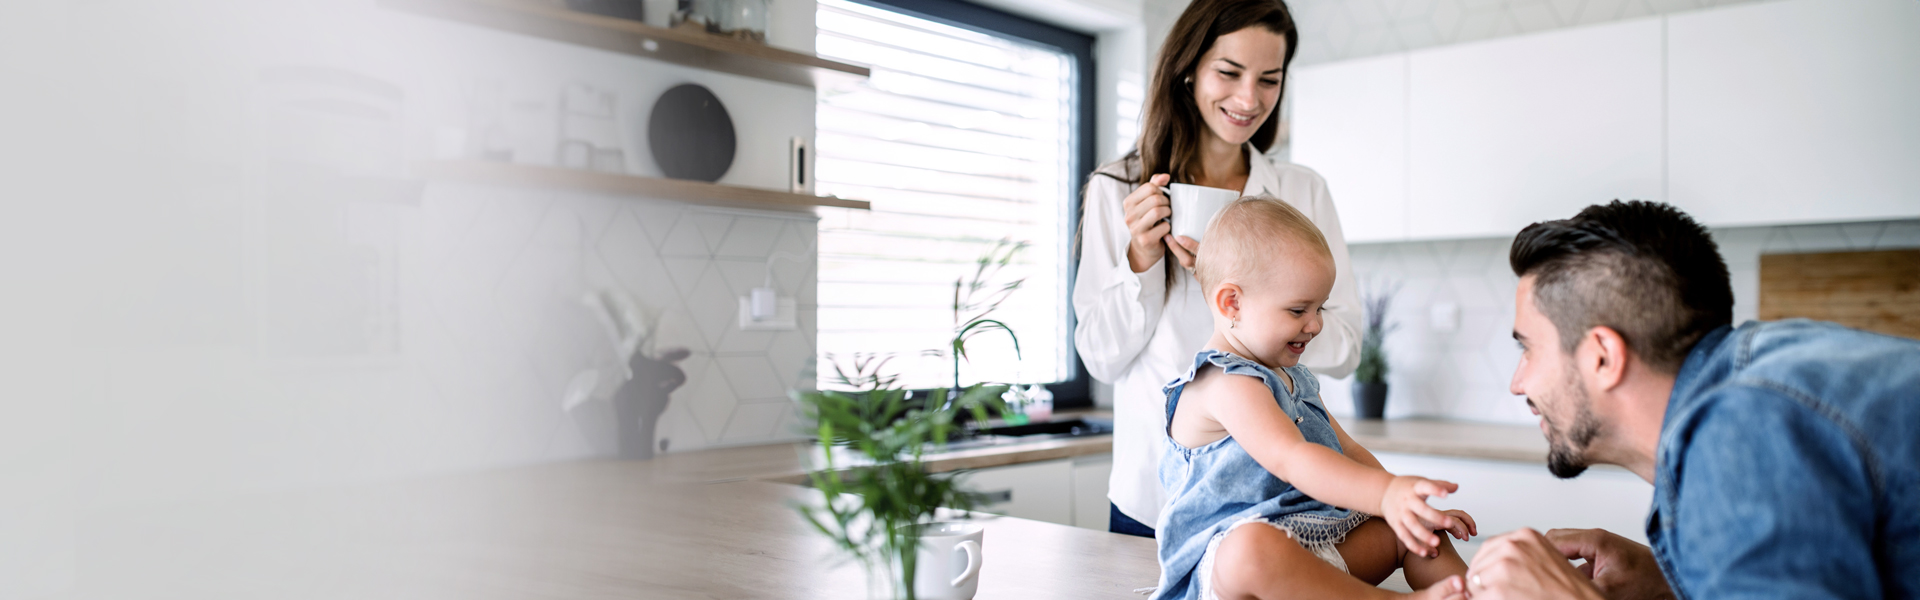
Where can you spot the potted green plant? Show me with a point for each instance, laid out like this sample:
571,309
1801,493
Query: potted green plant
869,510
872,509
1370,378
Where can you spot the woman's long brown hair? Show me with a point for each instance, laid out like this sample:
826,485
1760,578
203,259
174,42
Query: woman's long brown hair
1171,130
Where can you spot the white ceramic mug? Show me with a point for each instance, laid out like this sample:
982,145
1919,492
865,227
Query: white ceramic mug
1194,207
949,563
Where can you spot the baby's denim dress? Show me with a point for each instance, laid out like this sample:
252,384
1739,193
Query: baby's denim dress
1213,488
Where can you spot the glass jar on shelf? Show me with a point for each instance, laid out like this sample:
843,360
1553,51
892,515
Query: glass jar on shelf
744,20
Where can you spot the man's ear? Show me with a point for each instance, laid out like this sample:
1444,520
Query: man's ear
1226,300
1607,362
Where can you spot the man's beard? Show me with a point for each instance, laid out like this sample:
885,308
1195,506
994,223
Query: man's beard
1567,453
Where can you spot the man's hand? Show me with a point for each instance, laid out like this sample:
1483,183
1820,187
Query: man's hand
1405,509
1621,568
1523,564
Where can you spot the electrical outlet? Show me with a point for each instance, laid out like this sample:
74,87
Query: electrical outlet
785,316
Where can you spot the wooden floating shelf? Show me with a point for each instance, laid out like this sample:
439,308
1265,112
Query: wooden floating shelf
692,48
697,192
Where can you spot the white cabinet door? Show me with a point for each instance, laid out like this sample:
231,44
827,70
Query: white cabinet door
1090,475
1508,132
1795,111
1042,491
1350,124
1504,496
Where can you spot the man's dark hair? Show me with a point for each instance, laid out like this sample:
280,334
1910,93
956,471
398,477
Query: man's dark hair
1643,269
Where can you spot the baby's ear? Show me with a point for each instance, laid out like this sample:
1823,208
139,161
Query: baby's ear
1226,298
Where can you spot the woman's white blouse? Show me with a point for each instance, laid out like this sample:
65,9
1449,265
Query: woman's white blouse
1137,333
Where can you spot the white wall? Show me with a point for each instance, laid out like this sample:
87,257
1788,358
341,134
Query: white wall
183,322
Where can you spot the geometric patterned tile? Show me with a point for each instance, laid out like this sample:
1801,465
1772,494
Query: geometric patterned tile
741,276
656,218
683,273
713,227
685,241
752,378
1862,236
713,307
1464,374
789,354
754,422
1899,235
752,237
713,402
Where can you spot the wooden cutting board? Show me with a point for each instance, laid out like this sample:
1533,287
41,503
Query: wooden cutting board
1876,291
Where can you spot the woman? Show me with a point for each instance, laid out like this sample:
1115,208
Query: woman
1209,121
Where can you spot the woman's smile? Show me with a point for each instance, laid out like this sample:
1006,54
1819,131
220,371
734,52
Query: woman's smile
1238,119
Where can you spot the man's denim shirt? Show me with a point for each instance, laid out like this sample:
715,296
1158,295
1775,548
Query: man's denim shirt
1789,466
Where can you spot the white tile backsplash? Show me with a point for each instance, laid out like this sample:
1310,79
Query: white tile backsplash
1463,374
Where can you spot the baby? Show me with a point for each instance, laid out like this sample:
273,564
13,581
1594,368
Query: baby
1250,443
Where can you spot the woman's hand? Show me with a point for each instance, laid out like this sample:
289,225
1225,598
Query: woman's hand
1184,249
1405,509
1147,209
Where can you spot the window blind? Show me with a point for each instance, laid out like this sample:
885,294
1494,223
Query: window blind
960,139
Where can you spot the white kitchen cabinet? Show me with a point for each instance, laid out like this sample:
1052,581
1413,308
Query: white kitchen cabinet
1796,111
1068,491
1503,496
1090,504
1042,491
1507,132
1350,125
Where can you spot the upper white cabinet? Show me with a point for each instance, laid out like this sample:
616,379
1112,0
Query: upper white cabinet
1357,140
1795,111
1792,111
1512,131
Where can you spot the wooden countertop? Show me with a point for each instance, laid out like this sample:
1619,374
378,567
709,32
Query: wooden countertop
1459,439
790,462
600,529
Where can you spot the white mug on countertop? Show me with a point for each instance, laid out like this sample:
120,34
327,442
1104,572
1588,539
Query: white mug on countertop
949,563
1194,207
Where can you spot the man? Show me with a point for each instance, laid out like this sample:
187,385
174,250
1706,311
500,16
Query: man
1785,456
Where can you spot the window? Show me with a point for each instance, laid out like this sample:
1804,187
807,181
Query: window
972,129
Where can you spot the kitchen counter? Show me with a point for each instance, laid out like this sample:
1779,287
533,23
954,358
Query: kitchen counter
790,462
598,529
707,524
1457,439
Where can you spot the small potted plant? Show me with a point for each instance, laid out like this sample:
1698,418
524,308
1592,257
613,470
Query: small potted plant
871,512
1370,378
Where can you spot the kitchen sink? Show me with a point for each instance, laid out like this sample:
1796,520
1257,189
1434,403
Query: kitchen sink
1069,428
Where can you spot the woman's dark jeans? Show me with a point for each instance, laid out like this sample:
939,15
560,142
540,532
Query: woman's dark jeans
1119,522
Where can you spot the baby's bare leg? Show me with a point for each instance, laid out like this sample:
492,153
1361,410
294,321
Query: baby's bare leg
1372,552
1423,571
1261,562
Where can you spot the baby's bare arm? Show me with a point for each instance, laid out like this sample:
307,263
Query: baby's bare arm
1244,406
1352,448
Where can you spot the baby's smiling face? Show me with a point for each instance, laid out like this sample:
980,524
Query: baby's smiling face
1280,308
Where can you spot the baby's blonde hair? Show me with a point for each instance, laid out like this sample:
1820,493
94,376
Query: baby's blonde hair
1250,233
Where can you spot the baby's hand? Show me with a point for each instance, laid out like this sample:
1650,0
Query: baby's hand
1461,525
1413,521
